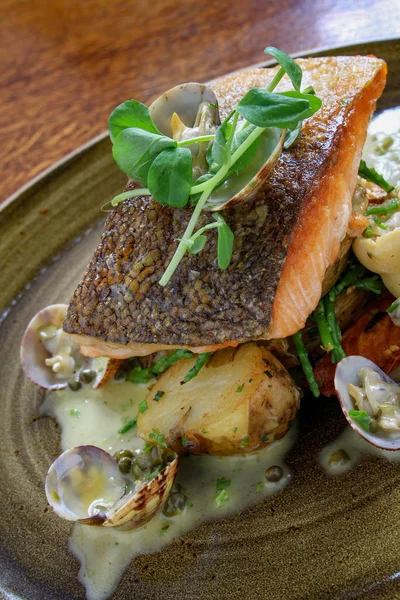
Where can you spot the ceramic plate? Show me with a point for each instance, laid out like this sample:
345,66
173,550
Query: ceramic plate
322,537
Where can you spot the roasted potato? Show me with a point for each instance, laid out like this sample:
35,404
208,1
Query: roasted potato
242,399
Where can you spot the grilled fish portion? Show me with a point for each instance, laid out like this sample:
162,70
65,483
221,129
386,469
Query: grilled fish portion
285,238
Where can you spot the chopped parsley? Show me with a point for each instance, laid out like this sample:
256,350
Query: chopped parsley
129,425
164,527
240,388
184,441
204,431
393,307
143,406
245,441
259,487
234,429
158,395
268,374
222,483
158,438
75,412
221,498
264,437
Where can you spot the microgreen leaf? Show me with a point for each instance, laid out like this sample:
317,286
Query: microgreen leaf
291,67
198,244
361,418
135,149
239,137
370,174
130,114
225,242
170,177
292,135
315,103
266,109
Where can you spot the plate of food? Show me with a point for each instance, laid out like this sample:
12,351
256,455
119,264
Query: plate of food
199,390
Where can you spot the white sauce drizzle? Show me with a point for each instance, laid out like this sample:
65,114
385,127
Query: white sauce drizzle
94,417
354,446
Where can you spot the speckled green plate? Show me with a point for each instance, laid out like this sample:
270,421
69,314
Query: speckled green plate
320,538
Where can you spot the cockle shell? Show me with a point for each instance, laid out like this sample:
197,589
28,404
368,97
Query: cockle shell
347,371
84,485
33,353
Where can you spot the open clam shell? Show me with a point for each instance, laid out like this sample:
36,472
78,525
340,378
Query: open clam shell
84,485
347,372
34,353
49,357
184,100
243,186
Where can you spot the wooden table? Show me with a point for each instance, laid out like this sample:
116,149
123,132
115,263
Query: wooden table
65,64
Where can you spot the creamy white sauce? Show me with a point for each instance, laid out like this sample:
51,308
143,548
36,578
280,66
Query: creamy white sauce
95,417
354,446
382,148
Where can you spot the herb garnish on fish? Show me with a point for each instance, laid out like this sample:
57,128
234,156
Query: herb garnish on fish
164,166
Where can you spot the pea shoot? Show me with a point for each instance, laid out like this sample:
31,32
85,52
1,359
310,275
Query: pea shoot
163,167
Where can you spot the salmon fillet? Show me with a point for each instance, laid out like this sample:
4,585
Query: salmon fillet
285,238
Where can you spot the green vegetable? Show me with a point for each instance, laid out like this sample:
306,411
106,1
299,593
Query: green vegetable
200,362
158,395
288,65
134,150
305,363
383,209
264,437
394,306
368,233
245,441
323,329
164,527
129,425
165,363
258,488
143,406
130,114
234,429
370,284
337,353
225,242
349,278
158,438
268,374
75,412
362,418
370,174
240,388
184,441
380,223
222,483
170,177
266,109
221,498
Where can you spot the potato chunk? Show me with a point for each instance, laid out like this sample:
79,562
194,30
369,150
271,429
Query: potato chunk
242,399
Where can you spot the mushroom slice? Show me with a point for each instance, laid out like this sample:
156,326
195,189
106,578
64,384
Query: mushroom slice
356,373
243,186
85,485
50,359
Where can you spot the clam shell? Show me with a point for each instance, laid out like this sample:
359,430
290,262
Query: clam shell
135,509
71,489
184,100
33,353
242,187
105,369
347,371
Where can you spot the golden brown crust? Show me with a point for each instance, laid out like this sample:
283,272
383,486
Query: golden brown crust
119,298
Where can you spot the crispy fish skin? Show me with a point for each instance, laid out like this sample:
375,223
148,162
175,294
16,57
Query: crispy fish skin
285,238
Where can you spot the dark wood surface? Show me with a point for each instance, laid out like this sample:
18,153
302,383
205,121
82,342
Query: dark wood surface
65,64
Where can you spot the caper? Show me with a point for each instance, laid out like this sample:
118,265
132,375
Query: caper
122,454
175,504
74,385
340,457
156,456
143,460
274,473
125,464
87,375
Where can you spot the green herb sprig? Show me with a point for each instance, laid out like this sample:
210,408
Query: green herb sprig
163,166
